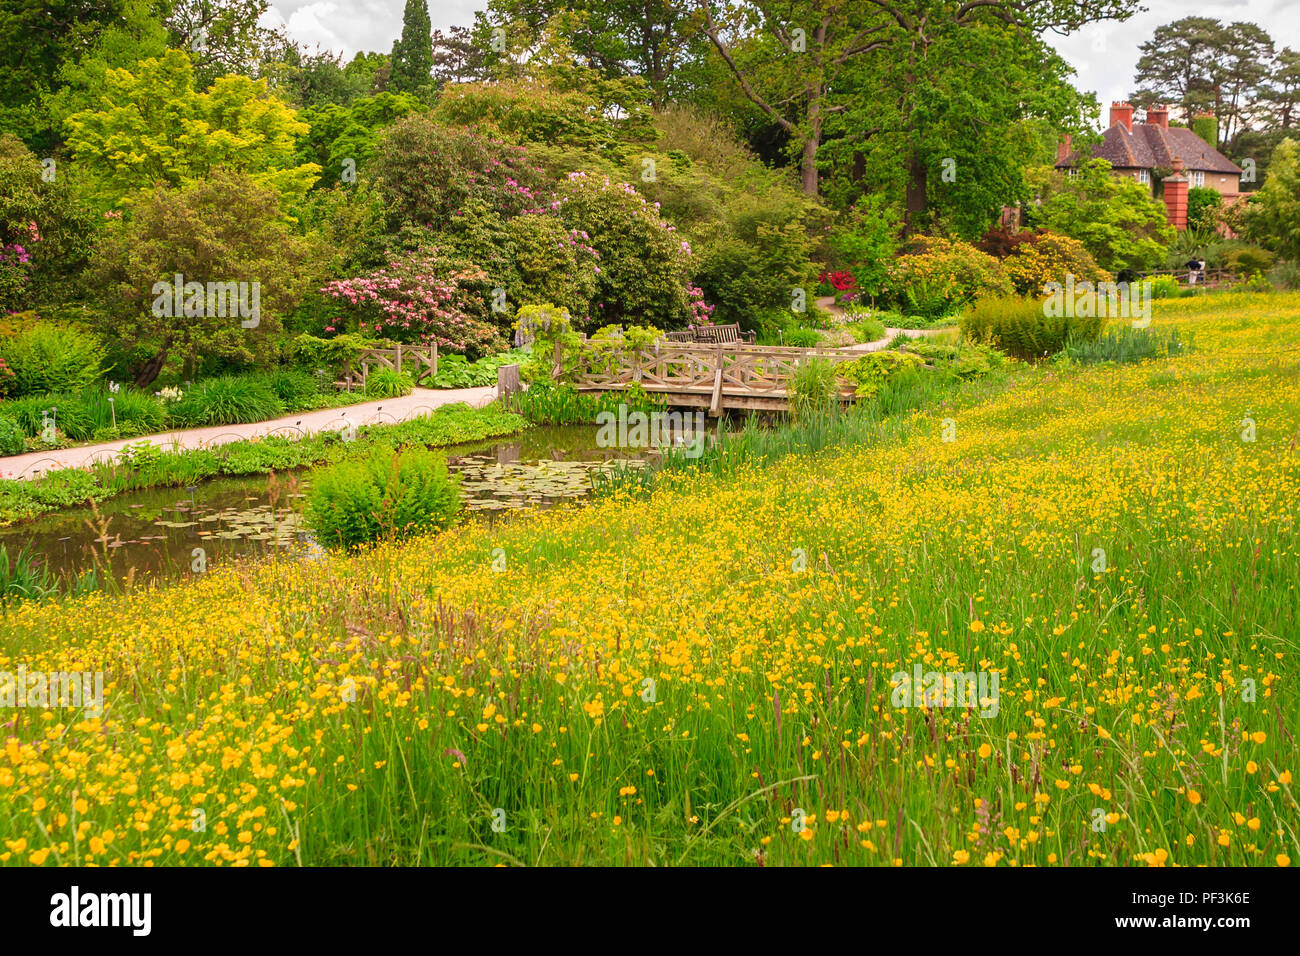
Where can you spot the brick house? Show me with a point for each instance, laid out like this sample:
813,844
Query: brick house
1137,150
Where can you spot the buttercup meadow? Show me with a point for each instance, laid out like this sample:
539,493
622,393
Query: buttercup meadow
700,669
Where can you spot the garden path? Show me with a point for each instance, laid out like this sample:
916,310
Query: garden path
385,410
827,303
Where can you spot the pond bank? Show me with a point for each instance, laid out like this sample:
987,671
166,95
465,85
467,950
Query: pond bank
381,411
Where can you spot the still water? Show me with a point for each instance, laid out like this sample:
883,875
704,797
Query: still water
153,533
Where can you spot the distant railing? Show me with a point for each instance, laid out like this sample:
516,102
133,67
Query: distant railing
420,361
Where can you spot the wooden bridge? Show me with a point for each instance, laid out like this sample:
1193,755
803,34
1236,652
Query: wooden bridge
704,376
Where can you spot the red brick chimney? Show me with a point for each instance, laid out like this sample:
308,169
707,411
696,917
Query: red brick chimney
1175,188
1158,116
1122,113
1065,147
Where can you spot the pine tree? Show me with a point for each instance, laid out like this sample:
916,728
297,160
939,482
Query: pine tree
412,63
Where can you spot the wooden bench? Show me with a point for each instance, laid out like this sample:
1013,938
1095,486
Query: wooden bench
713,335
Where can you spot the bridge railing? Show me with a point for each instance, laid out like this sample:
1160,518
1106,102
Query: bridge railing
758,371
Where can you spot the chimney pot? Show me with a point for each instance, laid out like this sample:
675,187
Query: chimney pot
1158,116
1122,113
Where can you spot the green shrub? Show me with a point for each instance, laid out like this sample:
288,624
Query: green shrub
386,495
1285,275
867,330
1246,260
227,400
295,388
812,388
801,338
1024,328
1123,343
455,371
942,275
12,439
873,371
1164,287
388,383
51,358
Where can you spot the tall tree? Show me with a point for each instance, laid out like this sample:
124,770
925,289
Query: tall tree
412,62
787,55
1178,63
457,56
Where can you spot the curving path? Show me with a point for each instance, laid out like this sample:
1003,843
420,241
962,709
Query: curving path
827,303
385,410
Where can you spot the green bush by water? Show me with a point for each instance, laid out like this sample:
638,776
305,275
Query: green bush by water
384,496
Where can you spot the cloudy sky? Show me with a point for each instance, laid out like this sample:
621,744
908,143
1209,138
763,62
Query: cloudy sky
1103,56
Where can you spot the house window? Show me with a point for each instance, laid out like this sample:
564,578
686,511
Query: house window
1144,176
1198,179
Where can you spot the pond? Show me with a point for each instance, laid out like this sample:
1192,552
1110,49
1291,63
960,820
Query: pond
154,533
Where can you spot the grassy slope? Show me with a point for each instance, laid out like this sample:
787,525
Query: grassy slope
525,689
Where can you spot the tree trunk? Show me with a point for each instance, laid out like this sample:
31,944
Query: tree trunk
916,198
808,168
147,372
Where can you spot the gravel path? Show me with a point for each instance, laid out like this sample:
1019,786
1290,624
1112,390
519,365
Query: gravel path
387,410
827,303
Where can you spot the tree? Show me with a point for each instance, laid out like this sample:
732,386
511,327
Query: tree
1115,217
224,229
949,135
788,55
153,127
458,57
412,59
1273,217
621,38
36,38
1177,65
223,36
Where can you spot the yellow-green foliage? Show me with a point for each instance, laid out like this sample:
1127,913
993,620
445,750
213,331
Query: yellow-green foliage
872,372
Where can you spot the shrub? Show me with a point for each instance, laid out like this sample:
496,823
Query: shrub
643,261
428,172
873,371
295,388
800,337
1024,328
12,439
389,383
1048,257
1245,260
1285,275
812,388
384,496
454,371
869,329
1123,343
227,400
942,275
1164,287
51,358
